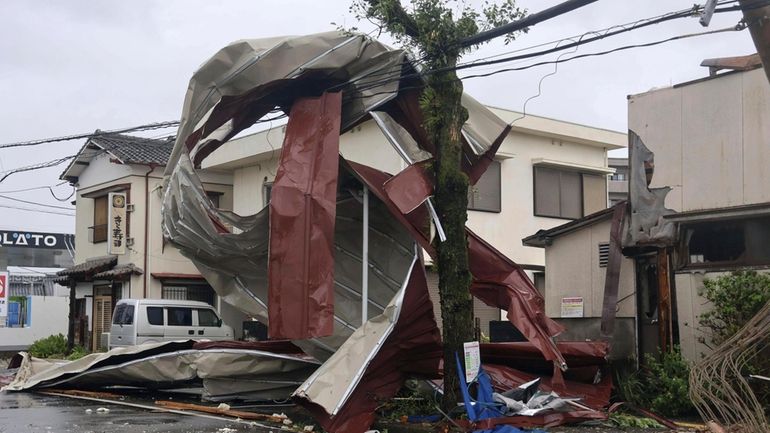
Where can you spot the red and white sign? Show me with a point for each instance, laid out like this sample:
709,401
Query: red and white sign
3,294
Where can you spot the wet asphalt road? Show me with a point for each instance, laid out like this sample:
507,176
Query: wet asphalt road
37,413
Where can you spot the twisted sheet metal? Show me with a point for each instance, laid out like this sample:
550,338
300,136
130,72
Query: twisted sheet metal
718,387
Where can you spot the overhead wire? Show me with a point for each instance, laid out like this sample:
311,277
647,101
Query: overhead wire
398,75
33,188
52,206
36,210
146,127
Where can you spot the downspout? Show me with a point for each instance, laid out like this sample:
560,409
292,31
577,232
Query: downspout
152,168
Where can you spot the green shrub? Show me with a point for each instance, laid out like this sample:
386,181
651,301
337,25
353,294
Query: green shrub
735,298
661,385
55,346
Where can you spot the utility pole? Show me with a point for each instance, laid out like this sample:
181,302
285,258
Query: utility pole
758,20
528,21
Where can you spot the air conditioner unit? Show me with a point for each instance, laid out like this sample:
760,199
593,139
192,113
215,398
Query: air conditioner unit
104,341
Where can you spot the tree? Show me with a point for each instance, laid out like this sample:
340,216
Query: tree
435,29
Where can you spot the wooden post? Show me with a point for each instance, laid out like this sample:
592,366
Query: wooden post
71,320
664,301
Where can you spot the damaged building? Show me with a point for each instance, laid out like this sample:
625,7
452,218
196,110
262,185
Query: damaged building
698,207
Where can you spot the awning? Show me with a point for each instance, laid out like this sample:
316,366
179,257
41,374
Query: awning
119,272
87,270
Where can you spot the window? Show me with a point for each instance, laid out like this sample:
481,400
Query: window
190,292
155,315
604,254
207,318
568,194
179,316
99,229
124,315
539,282
727,244
118,314
485,195
618,176
214,197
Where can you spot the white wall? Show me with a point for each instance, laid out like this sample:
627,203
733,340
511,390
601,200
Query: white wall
49,317
573,270
711,140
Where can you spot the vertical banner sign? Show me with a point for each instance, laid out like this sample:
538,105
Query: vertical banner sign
472,360
116,216
4,294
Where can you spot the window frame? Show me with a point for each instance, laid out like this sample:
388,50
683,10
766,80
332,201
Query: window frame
472,204
746,259
101,229
535,188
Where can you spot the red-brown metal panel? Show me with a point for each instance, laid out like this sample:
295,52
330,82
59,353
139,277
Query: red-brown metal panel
302,212
413,349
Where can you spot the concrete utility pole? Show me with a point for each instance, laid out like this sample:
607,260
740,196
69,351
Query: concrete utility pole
758,19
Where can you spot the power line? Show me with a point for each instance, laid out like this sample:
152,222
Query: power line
33,188
147,127
52,206
36,210
738,27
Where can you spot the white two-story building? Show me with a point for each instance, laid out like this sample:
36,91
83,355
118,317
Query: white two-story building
149,268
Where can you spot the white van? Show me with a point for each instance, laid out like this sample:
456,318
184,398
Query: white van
137,321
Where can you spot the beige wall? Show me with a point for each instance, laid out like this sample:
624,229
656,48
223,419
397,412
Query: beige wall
100,174
573,270
711,140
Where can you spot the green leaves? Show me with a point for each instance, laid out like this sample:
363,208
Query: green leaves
661,384
735,298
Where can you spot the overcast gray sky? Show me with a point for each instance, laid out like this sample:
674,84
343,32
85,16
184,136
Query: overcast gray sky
75,66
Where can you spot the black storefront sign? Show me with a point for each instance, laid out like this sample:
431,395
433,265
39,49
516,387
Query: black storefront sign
59,241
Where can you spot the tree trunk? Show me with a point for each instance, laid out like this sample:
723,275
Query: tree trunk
444,116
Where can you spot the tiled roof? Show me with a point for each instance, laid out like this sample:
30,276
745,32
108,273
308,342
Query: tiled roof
90,266
127,149
119,271
136,150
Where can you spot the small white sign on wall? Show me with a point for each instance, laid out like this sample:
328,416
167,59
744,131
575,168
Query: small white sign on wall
572,307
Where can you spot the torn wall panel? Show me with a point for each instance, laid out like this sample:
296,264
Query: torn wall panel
646,223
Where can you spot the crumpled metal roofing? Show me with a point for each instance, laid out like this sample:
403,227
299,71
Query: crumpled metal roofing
244,82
